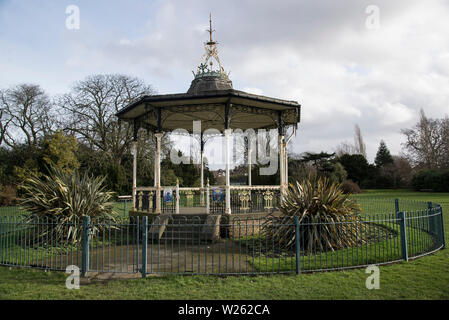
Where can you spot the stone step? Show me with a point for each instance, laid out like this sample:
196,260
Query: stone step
178,217
189,216
183,228
180,241
185,225
182,231
184,222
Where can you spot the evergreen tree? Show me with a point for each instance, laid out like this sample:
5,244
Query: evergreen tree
383,156
326,165
59,151
356,166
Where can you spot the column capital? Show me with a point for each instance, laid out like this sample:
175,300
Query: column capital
159,135
134,148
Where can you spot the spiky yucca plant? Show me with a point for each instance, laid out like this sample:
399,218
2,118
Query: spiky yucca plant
327,217
62,199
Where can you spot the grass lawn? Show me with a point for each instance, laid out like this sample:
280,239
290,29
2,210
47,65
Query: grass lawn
424,278
438,197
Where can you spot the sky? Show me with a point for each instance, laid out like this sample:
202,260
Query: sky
371,63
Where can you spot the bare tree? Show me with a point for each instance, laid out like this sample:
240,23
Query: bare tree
402,171
425,143
345,148
25,115
91,107
4,122
359,146
445,134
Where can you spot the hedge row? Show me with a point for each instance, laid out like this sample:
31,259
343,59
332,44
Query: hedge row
435,180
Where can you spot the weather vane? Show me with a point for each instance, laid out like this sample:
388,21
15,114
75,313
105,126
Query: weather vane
206,66
210,30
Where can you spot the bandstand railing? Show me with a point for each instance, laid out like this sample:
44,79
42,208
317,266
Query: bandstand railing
209,199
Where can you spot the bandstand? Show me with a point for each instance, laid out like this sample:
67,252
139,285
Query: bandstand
212,102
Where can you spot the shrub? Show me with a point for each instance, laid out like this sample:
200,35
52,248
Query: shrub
321,206
8,195
349,186
436,180
63,197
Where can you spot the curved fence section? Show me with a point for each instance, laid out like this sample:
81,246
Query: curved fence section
386,231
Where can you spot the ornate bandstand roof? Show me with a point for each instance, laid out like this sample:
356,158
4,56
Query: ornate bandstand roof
211,99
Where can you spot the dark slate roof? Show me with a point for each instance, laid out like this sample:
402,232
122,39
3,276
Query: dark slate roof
211,81
179,110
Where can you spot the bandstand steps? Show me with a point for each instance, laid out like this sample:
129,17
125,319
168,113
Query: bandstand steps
188,229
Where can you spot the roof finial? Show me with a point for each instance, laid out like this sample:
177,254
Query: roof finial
211,42
206,66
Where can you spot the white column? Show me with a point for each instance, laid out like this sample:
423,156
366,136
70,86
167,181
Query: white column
155,169
207,197
281,166
177,196
158,171
249,164
287,141
228,178
286,165
134,153
202,179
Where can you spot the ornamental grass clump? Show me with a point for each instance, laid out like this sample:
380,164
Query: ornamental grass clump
59,200
328,219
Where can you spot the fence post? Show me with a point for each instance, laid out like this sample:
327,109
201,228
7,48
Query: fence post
403,222
298,264
144,246
85,246
442,227
431,219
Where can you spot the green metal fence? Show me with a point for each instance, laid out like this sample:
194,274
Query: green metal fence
387,231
